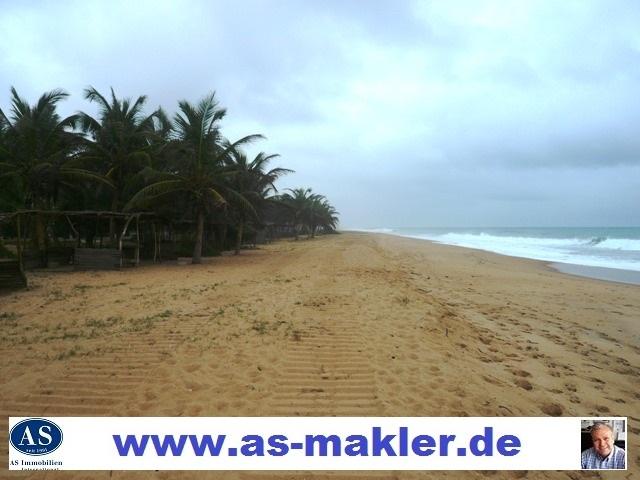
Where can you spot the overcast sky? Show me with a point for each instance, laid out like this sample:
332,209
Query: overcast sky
448,113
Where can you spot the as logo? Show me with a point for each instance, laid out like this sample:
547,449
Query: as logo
35,436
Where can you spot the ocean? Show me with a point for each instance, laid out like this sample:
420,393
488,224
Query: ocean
605,247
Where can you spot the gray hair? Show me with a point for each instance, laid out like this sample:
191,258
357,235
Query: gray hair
599,426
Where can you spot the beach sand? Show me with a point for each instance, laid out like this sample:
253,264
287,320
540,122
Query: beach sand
350,324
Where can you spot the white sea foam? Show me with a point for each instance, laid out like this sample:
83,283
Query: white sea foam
620,253
626,244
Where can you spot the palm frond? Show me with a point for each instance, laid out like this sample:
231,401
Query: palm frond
154,191
91,94
49,99
84,175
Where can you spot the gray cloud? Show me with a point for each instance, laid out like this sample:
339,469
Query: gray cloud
403,113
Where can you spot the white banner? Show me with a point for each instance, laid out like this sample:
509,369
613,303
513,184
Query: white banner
296,443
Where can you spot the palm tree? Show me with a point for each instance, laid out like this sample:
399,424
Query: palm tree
198,170
39,153
322,215
251,180
121,143
297,201
309,211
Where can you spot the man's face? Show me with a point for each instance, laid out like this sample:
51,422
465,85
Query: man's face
602,441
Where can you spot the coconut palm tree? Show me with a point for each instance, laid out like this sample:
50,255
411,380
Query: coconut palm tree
199,168
39,153
297,201
251,180
309,211
322,215
121,142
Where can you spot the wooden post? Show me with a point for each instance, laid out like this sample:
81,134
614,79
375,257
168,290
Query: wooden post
74,230
124,232
155,241
137,240
19,241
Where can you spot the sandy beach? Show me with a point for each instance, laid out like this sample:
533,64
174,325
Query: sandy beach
351,324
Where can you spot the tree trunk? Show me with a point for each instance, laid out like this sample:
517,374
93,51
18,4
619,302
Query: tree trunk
112,222
223,236
239,237
41,241
19,242
197,247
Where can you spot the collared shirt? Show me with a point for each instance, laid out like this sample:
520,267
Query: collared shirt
592,460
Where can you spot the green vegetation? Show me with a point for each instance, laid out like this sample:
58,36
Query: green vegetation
145,324
308,211
8,317
204,192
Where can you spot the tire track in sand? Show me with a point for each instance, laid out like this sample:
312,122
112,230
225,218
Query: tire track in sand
325,373
326,369
103,383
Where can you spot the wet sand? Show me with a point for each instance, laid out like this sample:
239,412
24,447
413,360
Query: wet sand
601,273
351,324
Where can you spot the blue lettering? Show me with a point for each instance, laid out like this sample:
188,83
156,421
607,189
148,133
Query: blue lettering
382,443
323,445
486,440
278,444
444,444
423,445
508,445
169,443
207,443
254,446
130,443
404,441
358,446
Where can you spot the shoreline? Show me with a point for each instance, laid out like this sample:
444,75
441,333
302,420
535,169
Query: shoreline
613,275
607,274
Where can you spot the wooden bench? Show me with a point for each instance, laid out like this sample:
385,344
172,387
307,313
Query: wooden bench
96,258
59,256
11,275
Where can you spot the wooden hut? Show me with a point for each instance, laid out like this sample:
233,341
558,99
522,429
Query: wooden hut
11,275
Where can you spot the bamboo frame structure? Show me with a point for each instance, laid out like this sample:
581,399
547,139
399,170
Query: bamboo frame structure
18,214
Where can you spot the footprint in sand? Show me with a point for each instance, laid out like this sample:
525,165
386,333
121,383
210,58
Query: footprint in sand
522,383
552,409
148,396
491,380
602,408
192,368
193,386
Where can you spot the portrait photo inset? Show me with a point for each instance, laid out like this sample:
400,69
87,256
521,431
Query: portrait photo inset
603,444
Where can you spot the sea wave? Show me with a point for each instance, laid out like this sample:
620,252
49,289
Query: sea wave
627,244
597,251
